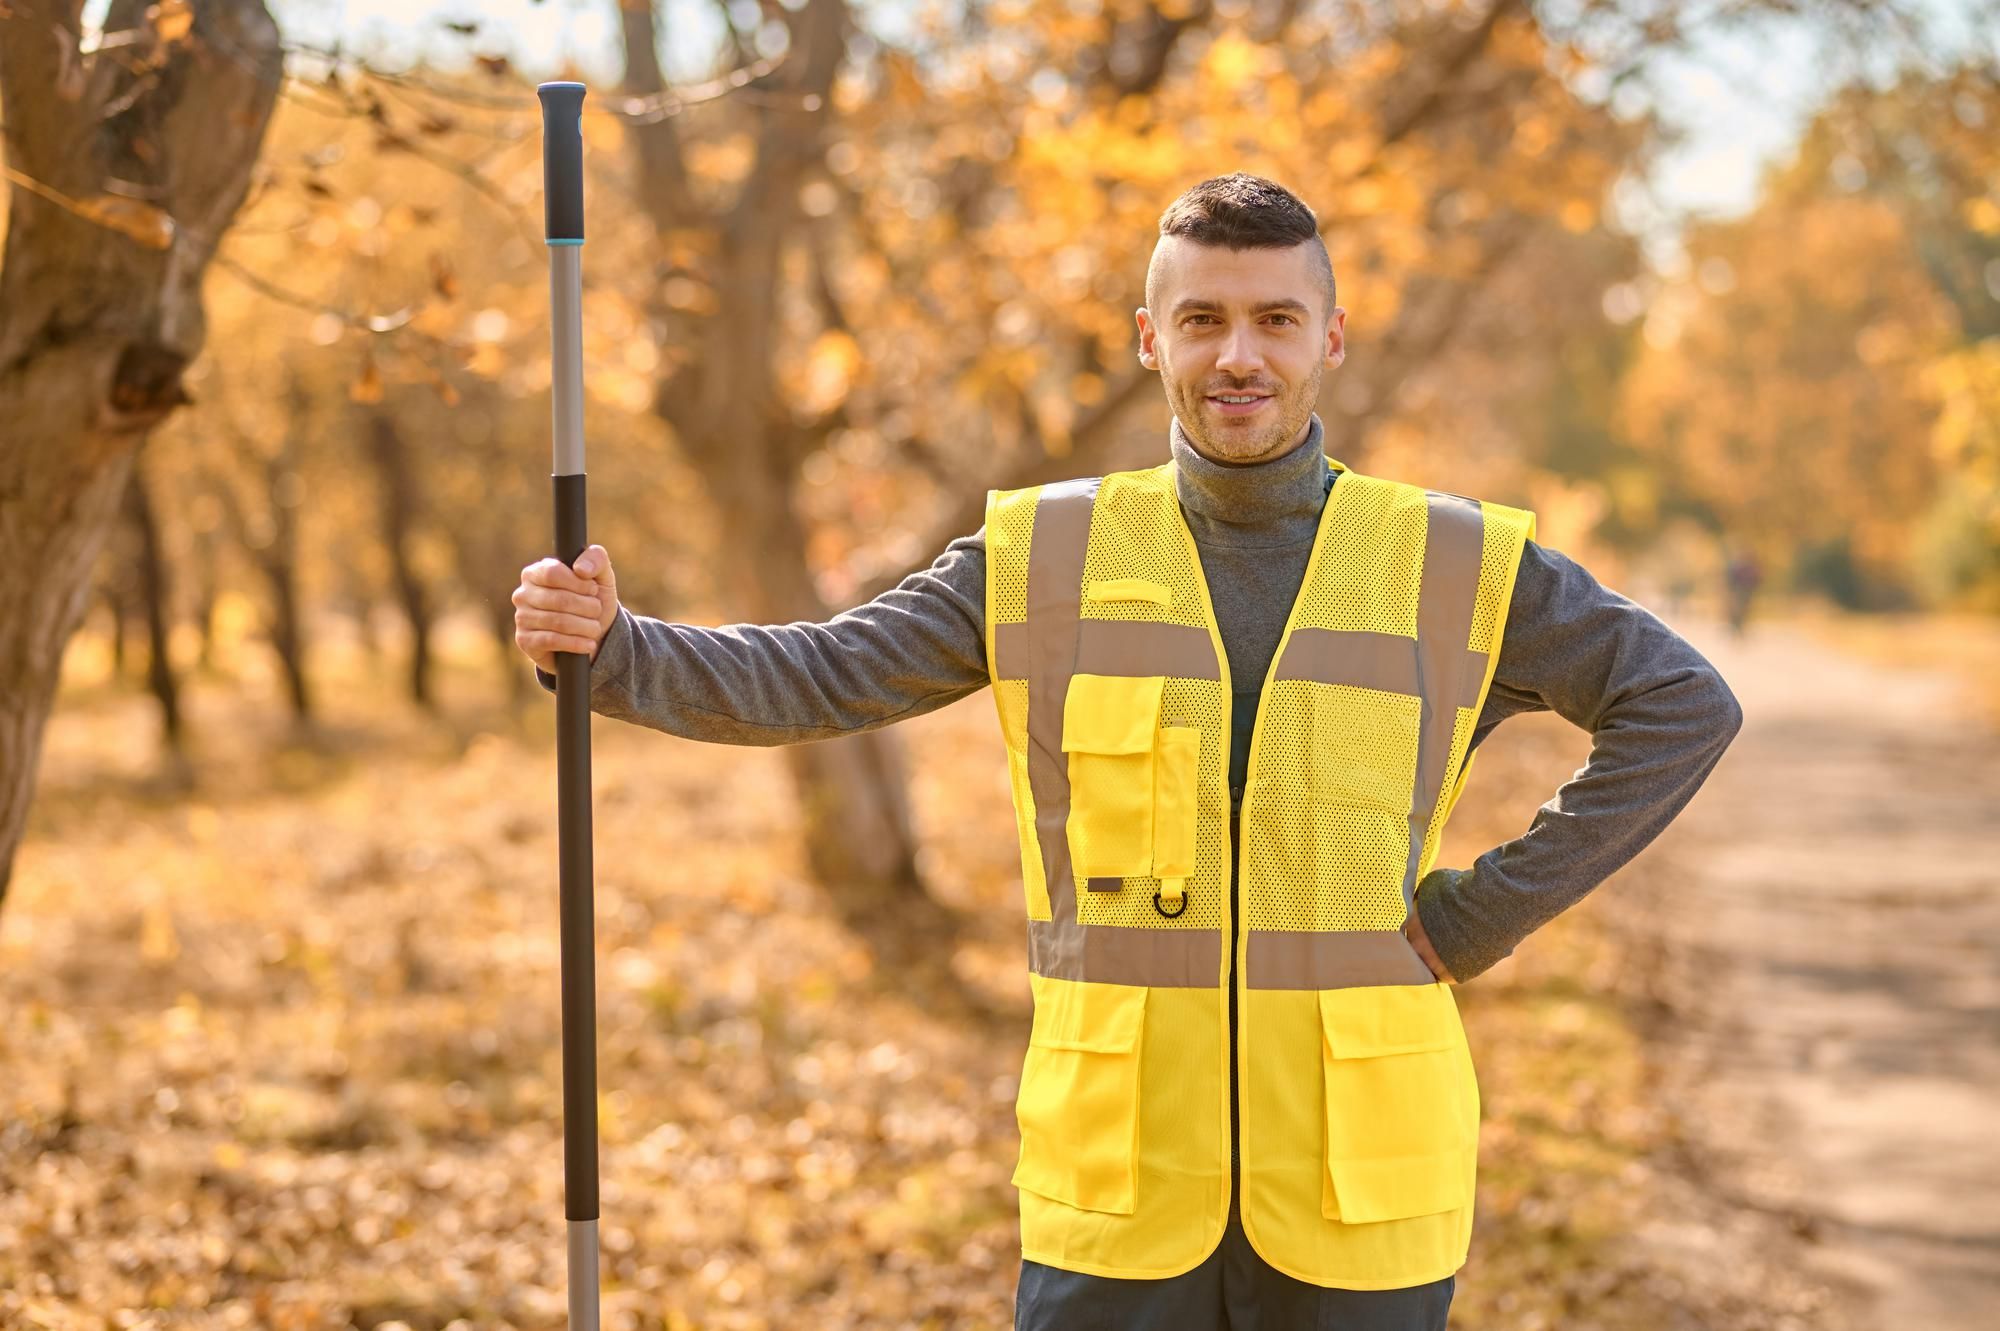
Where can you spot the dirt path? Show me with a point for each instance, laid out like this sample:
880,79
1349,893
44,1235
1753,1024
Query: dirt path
1831,910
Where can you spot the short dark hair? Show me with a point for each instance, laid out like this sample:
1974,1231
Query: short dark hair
1246,212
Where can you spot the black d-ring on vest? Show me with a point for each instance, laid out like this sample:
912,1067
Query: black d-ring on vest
1170,914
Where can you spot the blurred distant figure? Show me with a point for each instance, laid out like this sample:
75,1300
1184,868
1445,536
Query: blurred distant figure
1742,574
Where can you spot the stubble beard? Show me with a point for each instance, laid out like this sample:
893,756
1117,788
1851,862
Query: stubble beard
1294,409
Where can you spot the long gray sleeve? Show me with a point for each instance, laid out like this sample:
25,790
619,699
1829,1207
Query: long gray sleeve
909,651
1659,717
1659,714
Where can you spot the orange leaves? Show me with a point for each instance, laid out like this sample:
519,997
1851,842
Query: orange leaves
172,20
133,218
367,386
142,222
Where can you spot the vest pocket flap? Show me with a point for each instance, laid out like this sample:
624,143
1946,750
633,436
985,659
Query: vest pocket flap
1112,713
1078,1107
1398,1187
1089,1016
1368,1021
1129,589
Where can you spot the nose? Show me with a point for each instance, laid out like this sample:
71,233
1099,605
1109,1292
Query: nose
1238,356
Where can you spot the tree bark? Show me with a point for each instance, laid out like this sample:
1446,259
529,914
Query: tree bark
141,154
273,547
399,507
156,596
727,412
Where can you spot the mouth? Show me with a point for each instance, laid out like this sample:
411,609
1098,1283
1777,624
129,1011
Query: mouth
1238,404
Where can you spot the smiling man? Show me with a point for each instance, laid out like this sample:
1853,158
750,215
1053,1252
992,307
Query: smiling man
1240,693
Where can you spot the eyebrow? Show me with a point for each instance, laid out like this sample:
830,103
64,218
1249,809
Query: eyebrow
1191,304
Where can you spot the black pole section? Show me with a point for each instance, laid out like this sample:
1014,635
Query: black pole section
579,961
562,160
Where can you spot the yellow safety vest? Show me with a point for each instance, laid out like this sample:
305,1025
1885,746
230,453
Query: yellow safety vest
1359,1108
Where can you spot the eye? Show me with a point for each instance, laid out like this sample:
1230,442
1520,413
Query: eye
1286,317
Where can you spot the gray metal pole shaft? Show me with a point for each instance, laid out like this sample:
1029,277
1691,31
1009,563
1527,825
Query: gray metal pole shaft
562,189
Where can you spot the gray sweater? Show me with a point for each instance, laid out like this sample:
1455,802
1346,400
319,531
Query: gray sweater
1659,714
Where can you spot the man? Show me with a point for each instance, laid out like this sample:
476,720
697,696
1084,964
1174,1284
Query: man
1247,1099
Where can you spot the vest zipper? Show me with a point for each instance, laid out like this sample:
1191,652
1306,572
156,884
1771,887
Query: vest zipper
1235,914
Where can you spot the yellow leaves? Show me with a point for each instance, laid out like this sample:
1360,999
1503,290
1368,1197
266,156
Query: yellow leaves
1982,214
682,292
1233,60
1966,438
830,369
726,160
159,941
1532,135
1578,216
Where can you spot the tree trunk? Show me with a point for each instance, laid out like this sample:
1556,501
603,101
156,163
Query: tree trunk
726,411
156,595
114,602
860,843
138,168
399,505
206,576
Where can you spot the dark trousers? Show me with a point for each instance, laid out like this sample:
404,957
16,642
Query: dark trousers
1234,1290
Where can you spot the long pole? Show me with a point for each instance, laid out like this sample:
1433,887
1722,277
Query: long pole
562,201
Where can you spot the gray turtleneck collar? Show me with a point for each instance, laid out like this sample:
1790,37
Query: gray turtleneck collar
1257,505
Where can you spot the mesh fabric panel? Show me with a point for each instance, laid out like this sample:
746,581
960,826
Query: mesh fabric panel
1327,828
1371,559
1135,534
1495,551
1008,532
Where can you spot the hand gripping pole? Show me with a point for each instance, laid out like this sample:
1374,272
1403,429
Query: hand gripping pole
562,196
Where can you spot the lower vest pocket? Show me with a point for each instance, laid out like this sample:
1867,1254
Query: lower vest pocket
1402,1126
1397,1188
1078,1107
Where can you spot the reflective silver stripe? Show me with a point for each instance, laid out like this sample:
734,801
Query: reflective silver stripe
1385,661
1366,660
1118,647
1450,672
1132,647
1010,651
1124,954
1331,959
1056,551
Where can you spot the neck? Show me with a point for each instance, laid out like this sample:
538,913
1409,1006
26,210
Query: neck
1273,502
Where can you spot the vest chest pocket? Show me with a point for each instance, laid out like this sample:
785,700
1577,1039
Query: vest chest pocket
1078,1106
1402,1109
1110,733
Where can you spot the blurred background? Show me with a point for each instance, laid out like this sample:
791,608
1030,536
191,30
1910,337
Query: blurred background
1712,287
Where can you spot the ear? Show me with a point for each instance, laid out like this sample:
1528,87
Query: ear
1149,355
1336,338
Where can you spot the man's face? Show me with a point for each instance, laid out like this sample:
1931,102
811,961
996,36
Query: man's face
1239,323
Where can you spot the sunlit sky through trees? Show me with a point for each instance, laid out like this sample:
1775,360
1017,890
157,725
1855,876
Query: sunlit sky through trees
1740,97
